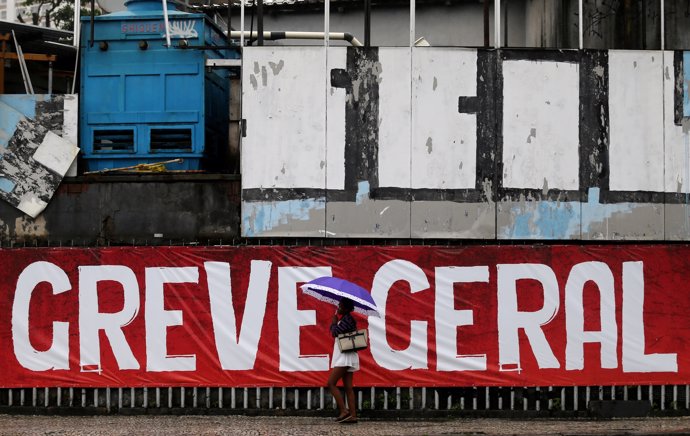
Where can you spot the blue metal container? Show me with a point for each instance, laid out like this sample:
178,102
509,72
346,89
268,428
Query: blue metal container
142,101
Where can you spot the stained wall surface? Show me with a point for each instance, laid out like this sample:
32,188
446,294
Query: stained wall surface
465,143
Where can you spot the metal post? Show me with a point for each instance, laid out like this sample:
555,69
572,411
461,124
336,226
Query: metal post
497,23
50,77
412,23
326,28
241,23
260,21
663,25
580,30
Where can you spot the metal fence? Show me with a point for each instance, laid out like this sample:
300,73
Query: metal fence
195,400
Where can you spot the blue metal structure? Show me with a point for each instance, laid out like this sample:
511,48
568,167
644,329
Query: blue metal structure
143,101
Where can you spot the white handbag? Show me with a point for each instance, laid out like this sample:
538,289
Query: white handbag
353,341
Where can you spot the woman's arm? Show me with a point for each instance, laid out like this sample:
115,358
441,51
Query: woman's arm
345,325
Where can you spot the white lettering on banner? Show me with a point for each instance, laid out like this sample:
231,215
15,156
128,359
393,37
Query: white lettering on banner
415,356
510,320
634,358
237,351
576,336
290,319
91,321
57,356
448,319
158,319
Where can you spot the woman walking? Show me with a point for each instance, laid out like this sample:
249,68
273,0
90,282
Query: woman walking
344,364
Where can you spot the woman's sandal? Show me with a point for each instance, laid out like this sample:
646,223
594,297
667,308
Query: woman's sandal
349,420
341,418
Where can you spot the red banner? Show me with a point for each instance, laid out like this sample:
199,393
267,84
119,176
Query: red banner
450,316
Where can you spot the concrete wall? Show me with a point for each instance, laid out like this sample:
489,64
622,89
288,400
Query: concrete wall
464,143
141,210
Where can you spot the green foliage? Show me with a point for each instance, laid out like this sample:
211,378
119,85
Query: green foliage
54,13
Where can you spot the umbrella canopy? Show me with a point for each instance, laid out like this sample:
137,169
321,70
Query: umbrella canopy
332,290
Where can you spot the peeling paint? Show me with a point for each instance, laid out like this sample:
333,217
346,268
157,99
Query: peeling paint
362,191
429,145
259,218
27,228
264,76
276,68
540,219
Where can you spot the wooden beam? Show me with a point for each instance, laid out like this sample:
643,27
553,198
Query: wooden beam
30,57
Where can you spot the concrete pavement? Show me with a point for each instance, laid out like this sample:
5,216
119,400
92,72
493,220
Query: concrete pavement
306,426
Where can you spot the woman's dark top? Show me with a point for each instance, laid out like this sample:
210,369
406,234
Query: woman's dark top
346,324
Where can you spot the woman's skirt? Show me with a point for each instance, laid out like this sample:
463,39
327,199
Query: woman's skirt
348,359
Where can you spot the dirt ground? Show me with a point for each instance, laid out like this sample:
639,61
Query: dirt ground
304,426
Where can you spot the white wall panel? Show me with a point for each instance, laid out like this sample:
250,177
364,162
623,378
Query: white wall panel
394,117
285,108
540,124
444,141
636,152
335,120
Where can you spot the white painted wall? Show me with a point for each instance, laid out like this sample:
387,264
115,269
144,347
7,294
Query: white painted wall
283,100
540,124
394,118
444,144
636,152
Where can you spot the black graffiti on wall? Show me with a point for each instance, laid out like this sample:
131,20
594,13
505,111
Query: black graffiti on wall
361,78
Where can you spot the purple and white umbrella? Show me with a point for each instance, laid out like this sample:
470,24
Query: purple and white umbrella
332,290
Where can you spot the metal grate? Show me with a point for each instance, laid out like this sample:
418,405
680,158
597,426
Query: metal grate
673,399
164,140
108,141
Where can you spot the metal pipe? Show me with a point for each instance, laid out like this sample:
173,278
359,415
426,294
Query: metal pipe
93,9
228,20
77,15
76,64
22,66
273,36
167,23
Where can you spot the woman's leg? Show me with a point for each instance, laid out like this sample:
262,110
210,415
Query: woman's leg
336,374
350,392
